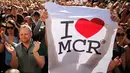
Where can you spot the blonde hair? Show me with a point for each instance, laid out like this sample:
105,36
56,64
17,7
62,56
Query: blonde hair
12,71
26,26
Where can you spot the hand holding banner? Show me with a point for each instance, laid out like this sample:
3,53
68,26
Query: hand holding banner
80,39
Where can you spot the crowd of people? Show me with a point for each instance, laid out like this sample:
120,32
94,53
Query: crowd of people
21,26
23,43
120,62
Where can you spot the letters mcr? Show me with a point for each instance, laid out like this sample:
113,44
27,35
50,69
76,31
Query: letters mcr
67,46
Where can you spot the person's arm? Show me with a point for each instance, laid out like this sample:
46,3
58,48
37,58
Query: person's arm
1,47
1,42
111,66
43,17
14,60
114,17
39,59
10,42
114,63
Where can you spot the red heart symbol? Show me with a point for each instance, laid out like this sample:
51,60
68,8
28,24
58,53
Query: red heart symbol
89,28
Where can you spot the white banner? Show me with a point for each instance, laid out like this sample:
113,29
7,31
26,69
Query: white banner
80,39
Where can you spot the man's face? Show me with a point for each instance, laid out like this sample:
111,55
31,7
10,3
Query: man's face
36,18
26,20
25,35
42,7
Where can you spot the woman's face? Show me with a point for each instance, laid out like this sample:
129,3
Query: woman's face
10,28
124,13
14,10
120,33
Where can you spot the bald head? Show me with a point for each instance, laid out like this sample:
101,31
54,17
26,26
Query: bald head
27,27
12,71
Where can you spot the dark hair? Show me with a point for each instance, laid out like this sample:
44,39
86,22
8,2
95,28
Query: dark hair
19,19
128,33
128,0
10,15
128,12
15,30
25,14
11,22
14,6
36,14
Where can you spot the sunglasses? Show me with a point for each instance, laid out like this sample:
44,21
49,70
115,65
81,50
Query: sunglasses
120,34
10,27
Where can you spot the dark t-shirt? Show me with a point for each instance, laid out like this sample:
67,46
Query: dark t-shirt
2,60
45,68
118,52
26,60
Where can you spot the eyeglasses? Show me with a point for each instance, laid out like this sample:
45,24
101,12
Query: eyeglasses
120,34
10,27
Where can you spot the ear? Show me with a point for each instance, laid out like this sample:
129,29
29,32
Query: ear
31,35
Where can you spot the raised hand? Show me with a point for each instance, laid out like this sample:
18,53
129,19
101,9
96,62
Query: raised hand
43,15
114,16
117,61
2,36
9,47
36,46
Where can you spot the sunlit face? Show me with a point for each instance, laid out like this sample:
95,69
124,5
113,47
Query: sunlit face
9,18
36,18
25,35
27,20
120,29
42,7
14,10
20,11
120,33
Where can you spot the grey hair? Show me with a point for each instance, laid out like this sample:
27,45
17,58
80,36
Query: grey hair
12,71
26,26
